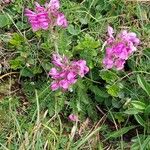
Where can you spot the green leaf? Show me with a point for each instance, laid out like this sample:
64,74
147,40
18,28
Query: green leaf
26,72
80,142
4,20
143,84
88,43
16,63
119,117
132,111
99,91
116,103
36,70
72,30
147,111
108,76
120,132
146,143
83,20
16,40
113,90
138,105
140,120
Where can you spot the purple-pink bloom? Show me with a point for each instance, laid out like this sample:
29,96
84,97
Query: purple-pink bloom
46,16
53,7
73,117
61,20
119,48
65,73
38,19
81,67
7,1
108,62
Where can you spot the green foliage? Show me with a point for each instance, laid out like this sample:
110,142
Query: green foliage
113,90
108,76
87,49
4,20
120,132
144,85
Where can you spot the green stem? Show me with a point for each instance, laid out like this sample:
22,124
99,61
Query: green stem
54,40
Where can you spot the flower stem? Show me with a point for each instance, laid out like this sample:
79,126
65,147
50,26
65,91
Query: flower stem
54,40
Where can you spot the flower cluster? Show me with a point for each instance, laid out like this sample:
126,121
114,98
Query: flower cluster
46,16
73,117
66,72
119,49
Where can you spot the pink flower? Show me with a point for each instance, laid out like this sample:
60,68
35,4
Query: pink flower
46,16
108,62
7,1
73,117
61,20
81,66
110,32
54,85
119,49
53,6
58,60
39,19
119,64
66,72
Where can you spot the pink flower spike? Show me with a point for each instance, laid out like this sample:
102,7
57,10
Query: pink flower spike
61,20
46,16
119,48
66,72
73,117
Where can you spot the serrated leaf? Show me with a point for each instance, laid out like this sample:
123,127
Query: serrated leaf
16,63
143,84
16,40
88,43
113,90
119,117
